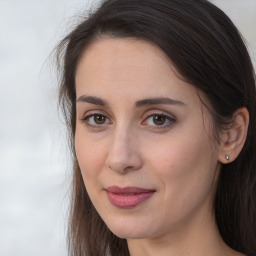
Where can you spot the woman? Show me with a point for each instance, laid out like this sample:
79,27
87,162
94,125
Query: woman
159,97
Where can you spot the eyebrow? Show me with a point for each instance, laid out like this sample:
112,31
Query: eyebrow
92,100
158,101
151,101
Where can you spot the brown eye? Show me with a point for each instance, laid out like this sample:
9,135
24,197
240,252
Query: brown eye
159,119
96,120
99,119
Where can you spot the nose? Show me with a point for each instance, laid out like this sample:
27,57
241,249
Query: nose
123,155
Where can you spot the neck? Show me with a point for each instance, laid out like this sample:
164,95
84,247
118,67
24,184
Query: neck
197,238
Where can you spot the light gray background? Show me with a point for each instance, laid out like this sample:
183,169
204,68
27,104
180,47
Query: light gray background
34,163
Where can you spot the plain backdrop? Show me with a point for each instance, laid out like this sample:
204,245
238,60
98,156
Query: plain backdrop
34,161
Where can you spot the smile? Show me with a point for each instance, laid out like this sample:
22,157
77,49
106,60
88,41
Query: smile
128,197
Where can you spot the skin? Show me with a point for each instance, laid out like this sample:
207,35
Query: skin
125,147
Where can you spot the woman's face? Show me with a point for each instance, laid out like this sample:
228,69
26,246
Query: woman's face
143,141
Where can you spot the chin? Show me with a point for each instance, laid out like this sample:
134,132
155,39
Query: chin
127,230
128,234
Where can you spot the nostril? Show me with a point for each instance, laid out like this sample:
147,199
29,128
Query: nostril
120,168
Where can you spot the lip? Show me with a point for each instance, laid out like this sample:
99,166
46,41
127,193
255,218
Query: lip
128,197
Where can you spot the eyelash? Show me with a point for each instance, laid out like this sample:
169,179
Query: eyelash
167,118
96,126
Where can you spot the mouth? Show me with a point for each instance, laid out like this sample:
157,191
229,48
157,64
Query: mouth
128,197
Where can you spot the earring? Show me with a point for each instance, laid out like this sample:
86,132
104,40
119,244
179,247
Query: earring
227,157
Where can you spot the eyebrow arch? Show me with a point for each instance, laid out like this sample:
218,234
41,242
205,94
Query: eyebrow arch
151,101
92,100
157,101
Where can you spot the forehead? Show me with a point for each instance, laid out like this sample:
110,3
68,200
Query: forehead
125,57
130,68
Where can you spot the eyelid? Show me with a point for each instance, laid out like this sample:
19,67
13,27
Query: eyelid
93,112
90,114
158,112
172,119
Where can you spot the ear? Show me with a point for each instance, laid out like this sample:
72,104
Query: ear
232,140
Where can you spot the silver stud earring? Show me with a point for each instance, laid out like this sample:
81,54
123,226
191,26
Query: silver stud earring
227,157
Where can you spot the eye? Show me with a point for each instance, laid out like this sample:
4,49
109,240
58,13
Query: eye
95,120
99,119
159,120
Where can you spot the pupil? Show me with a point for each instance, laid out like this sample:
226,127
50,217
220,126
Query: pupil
159,120
99,119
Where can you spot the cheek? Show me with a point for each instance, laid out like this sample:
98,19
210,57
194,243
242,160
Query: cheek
91,156
185,165
185,172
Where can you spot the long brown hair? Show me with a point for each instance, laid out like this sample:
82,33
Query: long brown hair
208,52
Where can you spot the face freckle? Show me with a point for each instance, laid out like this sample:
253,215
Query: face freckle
128,84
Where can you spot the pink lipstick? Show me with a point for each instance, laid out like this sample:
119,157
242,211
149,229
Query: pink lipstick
128,197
